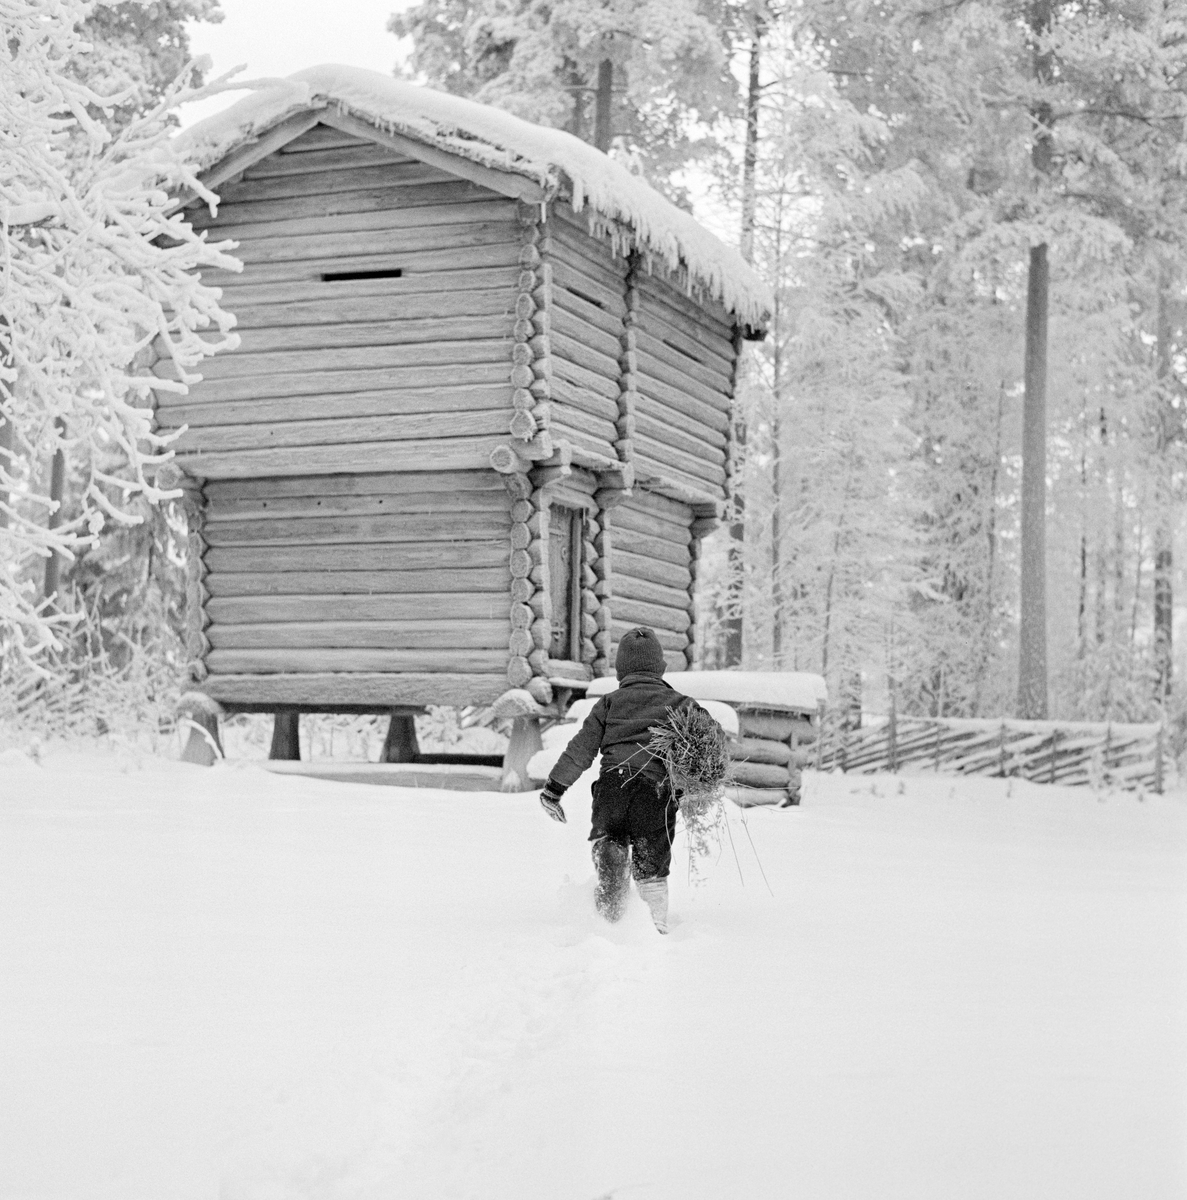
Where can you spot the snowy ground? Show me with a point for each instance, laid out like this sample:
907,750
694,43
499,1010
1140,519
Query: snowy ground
220,984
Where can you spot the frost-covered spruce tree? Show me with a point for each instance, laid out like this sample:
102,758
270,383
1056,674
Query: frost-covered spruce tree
94,269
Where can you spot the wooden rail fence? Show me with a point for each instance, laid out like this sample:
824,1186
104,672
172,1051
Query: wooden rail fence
1066,752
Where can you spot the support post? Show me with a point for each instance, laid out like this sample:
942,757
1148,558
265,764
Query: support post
525,741
400,745
286,737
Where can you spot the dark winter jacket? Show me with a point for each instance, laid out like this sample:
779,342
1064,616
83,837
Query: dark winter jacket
619,726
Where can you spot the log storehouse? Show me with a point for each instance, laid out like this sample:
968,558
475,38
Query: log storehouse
479,418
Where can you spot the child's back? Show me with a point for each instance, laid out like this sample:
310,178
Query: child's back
634,811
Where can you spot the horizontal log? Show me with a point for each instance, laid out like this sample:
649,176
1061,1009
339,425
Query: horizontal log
580,377
769,726
437,556
647,521
386,690
262,251
645,566
239,365
362,635
589,255
572,416
652,545
408,221
673,400
674,511
662,424
333,432
604,366
263,510
758,775
652,593
712,323
324,383
668,639
372,199
377,321
653,321
715,397
297,662
355,530
747,797
566,322
482,582
392,402
760,750
711,373
586,450
570,395
408,261
625,608
391,175
354,155
609,298
655,468
380,484
389,606
315,301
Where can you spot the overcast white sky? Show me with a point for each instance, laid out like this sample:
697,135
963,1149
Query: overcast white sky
278,37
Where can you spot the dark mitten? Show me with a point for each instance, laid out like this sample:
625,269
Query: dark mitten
550,800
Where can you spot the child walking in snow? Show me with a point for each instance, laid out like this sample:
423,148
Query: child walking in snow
634,810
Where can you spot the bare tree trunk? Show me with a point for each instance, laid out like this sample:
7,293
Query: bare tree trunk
731,626
604,106
1163,502
1032,639
57,485
575,82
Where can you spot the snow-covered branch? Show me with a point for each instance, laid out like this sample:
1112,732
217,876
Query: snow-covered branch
98,282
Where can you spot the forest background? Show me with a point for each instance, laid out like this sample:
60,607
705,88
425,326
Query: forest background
891,169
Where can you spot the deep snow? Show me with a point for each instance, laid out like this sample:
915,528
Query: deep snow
223,984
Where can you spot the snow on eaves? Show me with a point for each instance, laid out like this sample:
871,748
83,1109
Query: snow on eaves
559,162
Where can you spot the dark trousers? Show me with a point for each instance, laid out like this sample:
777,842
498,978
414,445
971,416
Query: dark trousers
637,812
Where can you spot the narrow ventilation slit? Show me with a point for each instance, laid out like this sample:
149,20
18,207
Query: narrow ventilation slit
347,276
681,350
587,299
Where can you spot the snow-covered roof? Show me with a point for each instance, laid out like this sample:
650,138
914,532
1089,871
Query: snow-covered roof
559,162
796,691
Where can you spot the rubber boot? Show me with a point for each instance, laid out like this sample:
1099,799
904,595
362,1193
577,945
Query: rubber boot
610,861
655,893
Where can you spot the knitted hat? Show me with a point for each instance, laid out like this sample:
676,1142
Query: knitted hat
639,652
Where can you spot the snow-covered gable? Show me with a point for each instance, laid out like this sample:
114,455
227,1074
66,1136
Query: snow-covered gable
561,164
792,691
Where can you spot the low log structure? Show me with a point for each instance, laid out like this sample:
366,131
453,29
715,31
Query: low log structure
478,419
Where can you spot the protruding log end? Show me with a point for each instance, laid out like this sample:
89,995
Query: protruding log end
507,461
519,671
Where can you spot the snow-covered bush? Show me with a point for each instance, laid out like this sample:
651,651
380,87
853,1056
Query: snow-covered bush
98,279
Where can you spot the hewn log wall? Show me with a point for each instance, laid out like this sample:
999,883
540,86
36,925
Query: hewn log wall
366,573
652,571
357,374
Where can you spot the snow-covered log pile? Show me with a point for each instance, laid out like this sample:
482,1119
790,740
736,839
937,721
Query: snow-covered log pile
1065,752
777,726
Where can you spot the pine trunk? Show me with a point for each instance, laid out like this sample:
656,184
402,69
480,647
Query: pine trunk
604,106
731,625
1163,507
1032,639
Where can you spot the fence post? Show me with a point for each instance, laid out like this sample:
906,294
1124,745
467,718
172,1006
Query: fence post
939,727
892,733
1108,746
1001,751
1158,759
1054,743
820,709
